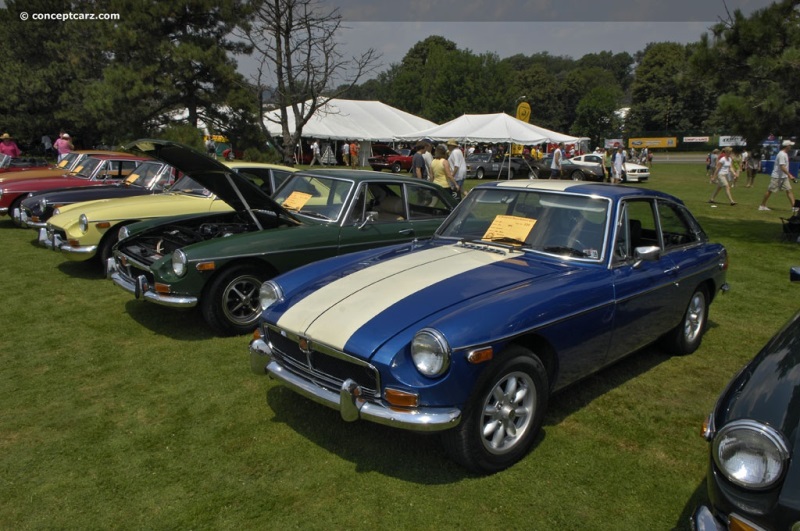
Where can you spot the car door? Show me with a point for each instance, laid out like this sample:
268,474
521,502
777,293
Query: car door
645,291
380,215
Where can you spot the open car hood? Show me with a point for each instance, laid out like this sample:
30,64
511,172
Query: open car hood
222,181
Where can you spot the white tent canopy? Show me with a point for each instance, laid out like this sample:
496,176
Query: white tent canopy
352,120
493,128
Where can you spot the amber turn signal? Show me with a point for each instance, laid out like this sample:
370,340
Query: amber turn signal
399,398
480,355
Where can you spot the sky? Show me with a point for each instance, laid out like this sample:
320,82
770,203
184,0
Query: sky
508,27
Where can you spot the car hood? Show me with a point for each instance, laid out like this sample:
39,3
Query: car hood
383,151
768,388
361,310
235,190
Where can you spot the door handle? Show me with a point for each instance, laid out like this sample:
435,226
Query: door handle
406,232
672,270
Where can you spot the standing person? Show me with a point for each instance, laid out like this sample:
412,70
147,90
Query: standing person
780,177
442,173
555,166
752,166
607,155
315,157
354,154
63,146
618,164
724,175
736,167
8,146
211,148
346,153
428,156
457,163
47,144
711,165
418,167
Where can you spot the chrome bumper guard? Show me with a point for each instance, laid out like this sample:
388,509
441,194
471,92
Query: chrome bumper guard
348,402
45,240
141,289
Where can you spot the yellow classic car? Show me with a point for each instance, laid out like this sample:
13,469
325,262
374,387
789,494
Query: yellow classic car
82,231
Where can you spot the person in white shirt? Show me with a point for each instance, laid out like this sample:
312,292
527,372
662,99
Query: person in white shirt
780,177
555,166
457,163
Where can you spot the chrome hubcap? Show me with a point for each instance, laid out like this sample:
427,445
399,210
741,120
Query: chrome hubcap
508,412
240,300
694,317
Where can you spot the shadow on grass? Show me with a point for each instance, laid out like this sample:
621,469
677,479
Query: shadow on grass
88,269
698,497
183,325
420,458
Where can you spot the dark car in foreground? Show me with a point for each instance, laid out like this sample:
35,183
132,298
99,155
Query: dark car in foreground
218,261
386,158
526,288
754,435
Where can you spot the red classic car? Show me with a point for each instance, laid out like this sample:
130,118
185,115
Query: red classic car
93,171
386,158
9,164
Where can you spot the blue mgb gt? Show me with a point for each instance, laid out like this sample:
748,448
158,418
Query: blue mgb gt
526,288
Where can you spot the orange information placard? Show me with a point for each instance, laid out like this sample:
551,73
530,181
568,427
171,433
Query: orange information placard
296,200
513,227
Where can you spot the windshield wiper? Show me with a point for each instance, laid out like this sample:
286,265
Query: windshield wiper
563,249
313,214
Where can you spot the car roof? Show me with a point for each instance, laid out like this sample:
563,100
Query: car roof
363,175
118,156
608,190
244,164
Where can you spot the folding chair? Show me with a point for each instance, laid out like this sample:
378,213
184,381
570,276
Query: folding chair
791,229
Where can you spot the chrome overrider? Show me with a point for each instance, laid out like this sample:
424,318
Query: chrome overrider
348,400
141,289
52,240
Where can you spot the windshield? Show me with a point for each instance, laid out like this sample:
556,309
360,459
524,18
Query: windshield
313,196
150,175
542,221
187,185
88,167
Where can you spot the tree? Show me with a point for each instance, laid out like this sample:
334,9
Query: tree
183,68
595,116
298,55
753,66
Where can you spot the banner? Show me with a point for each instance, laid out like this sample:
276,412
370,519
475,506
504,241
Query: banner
664,142
725,141
696,139
523,114
612,143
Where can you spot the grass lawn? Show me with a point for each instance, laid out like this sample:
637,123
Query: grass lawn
120,414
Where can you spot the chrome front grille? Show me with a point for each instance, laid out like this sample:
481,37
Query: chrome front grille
325,368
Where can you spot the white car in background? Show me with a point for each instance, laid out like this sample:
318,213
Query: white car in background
634,173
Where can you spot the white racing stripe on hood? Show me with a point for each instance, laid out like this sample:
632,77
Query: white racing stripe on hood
333,313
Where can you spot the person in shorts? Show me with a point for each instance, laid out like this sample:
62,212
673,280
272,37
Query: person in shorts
781,177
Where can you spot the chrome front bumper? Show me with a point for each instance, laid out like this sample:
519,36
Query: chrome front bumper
347,400
141,289
56,243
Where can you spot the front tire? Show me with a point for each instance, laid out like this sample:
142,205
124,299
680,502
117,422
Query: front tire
230,303
687,336
396,167
504,414
479,173
578,175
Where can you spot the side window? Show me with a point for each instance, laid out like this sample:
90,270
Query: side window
256,176
636,227
387,200
280,176
675,228
425,202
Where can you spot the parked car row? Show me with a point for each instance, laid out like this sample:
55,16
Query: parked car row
359,284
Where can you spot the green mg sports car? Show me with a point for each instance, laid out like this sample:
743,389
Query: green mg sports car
218,260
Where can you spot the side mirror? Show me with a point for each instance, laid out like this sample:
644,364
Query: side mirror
649,253
371,216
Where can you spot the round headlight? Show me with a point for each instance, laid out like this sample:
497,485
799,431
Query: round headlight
269,294
123,232
750,454
430,352
83,223
42,205
179,262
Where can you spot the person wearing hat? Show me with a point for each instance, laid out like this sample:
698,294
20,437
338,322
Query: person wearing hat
8,146
780,177
457,163
63,146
